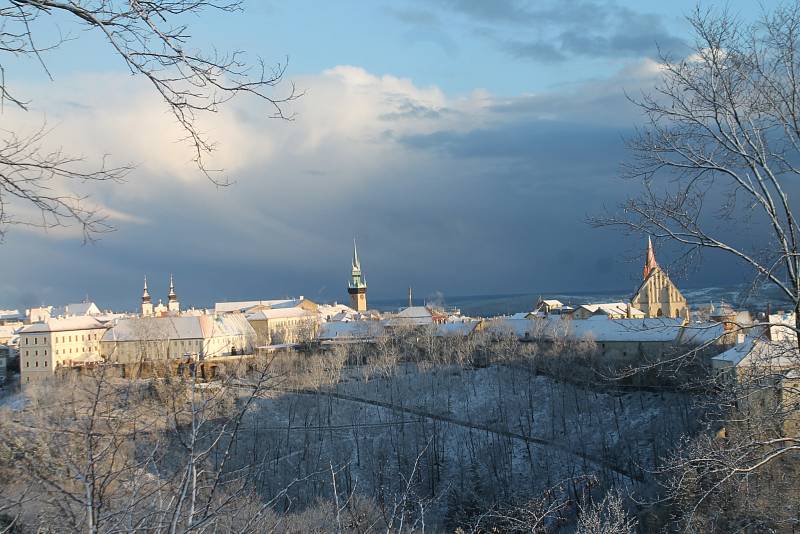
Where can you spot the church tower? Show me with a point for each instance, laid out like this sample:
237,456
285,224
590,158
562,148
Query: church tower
657,296
172,299
147,305
357,287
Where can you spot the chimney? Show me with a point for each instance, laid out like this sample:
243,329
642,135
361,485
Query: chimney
628,311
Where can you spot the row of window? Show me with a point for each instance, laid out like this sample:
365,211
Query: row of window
64,339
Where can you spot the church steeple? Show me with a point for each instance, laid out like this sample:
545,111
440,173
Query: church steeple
172,298
147,305
356,278
357,286
145,293
650,261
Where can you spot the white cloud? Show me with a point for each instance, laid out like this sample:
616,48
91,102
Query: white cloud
304,188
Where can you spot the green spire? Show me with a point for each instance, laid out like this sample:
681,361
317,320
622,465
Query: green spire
356,280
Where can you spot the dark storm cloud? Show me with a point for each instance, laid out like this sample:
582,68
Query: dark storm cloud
558,31
526,140
463,196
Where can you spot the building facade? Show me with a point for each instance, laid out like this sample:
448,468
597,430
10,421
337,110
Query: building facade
657,296
66,342
149,339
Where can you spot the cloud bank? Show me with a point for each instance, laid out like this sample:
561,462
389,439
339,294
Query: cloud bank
460,194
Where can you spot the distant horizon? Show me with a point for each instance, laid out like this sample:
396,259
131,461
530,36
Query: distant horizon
468,303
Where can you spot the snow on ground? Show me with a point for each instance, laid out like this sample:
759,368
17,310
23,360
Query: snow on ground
581,431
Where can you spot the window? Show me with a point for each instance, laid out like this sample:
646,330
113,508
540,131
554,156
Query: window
27,364
26,340
45,363
36,353
36,341
45,352
36,363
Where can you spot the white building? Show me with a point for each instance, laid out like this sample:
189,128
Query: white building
142,339
70,341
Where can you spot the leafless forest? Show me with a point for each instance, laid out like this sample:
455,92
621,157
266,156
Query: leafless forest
413,433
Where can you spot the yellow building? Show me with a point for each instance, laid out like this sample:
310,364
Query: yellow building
658,296
67,342
766,374
284,325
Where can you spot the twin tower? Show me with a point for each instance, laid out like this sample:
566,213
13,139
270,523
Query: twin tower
173,306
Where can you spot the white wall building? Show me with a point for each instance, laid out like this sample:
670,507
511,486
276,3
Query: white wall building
70,341
143,339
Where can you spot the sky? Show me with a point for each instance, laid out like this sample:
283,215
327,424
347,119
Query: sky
463,143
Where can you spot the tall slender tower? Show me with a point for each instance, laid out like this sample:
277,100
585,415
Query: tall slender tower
650,260
357,287
147,305
172,298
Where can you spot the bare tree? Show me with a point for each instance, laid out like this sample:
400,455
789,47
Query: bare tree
721,143
153,41
719,162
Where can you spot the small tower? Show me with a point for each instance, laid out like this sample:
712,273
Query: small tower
147,305
357,287
172,299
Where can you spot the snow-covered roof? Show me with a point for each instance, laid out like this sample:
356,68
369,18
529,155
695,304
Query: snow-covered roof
553,303
78,308
8,315
335,310
645,330
6,331
63,324
414,312
600,328
611,308
349,330
278,313
244,305
462,328
411,316
759,352
178,327
702,333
